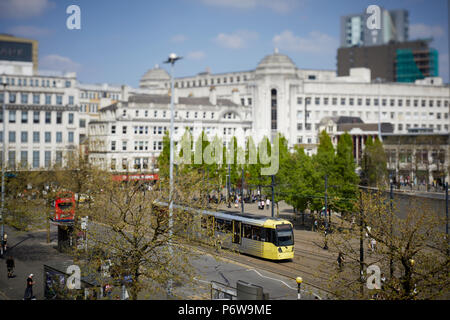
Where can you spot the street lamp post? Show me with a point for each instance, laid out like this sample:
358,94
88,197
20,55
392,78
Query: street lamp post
3,165
171,59
299,281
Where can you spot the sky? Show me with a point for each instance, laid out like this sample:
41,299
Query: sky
120,40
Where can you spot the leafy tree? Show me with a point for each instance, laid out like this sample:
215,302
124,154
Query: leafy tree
346,177
374,164
411,251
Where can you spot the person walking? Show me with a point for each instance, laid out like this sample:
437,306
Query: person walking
373,244
340,260
10,266
267,203
29,290
4,242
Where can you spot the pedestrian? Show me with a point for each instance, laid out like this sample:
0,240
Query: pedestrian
4,243
267,203
316,225
29,290
10,266
340,260
373,244
383,281
325,247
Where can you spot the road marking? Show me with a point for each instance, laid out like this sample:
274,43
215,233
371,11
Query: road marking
272,279
263,276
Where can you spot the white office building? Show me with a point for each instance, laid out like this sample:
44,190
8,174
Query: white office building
41,117
283,98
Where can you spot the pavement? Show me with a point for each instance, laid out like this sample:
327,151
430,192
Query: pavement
30,251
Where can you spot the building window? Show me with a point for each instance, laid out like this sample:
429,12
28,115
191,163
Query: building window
36,159
36,138
59,137
59,117
48,137
12,159
124,146
274,109
12,97
48,99
24,159
12,136
71,100
12,116
24,116
70,137
70,118
36,116
113,129
24,137
24,98
48,117
58,159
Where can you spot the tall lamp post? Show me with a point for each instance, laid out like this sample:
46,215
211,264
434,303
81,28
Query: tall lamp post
171,59
4,84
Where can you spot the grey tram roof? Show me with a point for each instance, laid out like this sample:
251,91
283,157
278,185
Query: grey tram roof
245,217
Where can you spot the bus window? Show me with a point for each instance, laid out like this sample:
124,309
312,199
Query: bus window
65,205
285,236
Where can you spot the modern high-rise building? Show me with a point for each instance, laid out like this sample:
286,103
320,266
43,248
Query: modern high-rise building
394,26
16,53
394,62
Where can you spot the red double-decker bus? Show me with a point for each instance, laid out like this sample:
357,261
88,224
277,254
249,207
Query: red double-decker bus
65,206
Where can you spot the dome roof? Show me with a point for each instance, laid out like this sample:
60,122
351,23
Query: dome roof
276,63
156,74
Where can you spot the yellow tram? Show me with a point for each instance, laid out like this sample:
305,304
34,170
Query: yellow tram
260,236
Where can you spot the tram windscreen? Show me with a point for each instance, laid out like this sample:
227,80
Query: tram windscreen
285,236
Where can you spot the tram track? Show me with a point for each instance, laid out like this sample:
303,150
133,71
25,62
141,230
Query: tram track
289,269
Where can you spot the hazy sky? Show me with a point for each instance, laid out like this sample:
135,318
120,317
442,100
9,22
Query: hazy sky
120,40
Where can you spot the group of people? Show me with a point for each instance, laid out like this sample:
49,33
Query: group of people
10,266
262,203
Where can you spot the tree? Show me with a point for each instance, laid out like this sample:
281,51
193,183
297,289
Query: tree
374,164
414,243
132,227
346,177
